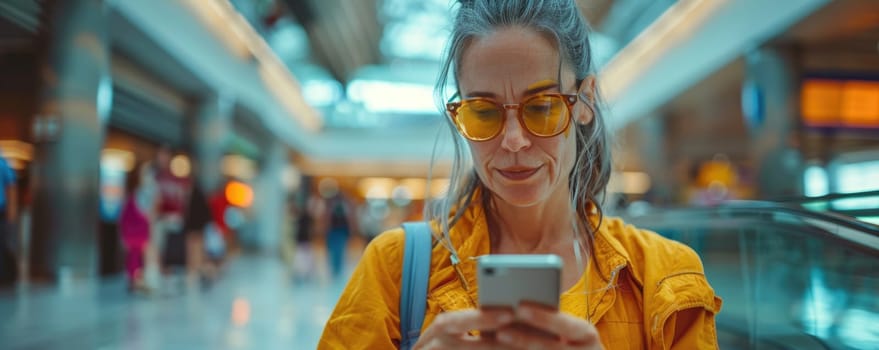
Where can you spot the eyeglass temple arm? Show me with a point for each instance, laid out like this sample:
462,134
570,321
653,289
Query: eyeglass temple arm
456,95
450,106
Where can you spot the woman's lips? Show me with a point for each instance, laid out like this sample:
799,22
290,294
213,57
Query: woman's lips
518,174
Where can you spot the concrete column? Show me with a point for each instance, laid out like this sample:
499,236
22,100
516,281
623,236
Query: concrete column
68,132
269,195
772,87
209,135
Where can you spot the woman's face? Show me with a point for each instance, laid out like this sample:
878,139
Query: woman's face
509,65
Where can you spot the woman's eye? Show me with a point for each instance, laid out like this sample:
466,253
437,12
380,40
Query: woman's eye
486,112
538,108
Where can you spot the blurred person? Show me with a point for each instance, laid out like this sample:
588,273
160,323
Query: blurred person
287,246
525,102
304,258
339,224
195,223
136,227
217,233
172,209
297,244
215,248
8,217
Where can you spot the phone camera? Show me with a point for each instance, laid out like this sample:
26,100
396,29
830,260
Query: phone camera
489,271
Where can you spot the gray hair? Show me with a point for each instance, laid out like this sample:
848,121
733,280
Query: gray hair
562,20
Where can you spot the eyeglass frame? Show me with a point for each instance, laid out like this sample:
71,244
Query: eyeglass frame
569,99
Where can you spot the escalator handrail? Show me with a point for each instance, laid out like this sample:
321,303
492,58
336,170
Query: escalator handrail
770,209
826,198
750,223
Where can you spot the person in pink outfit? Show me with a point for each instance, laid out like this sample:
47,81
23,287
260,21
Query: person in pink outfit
135,224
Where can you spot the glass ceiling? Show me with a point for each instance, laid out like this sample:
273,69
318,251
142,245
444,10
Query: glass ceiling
398,90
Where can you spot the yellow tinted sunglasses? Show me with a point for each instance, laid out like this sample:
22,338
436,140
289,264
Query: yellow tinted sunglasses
482,119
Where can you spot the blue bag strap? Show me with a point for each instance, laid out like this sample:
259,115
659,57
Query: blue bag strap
413,287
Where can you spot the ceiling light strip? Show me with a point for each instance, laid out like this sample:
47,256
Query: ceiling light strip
663,35
233,29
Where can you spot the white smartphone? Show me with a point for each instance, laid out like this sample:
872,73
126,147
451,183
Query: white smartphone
507,280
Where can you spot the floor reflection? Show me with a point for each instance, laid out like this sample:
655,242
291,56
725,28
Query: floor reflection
257,304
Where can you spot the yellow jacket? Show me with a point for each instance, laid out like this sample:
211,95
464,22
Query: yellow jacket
647,292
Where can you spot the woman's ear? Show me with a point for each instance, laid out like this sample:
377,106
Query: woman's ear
584,110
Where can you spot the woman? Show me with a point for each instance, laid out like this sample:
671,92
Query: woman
526,105
135,224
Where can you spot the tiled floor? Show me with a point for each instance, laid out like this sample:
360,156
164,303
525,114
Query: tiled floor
256,305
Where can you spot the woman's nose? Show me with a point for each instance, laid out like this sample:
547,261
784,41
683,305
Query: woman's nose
514,137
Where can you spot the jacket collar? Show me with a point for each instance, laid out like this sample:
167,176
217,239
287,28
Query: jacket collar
471,239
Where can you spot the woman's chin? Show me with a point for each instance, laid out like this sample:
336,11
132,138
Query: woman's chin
522,197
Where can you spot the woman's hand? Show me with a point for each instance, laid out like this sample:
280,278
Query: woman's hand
449,329
548,329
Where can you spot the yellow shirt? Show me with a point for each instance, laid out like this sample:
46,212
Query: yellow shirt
646,292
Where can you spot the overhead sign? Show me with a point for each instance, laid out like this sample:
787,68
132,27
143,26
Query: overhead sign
840,103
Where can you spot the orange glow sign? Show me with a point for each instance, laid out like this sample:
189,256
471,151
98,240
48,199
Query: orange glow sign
239,194
840,103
